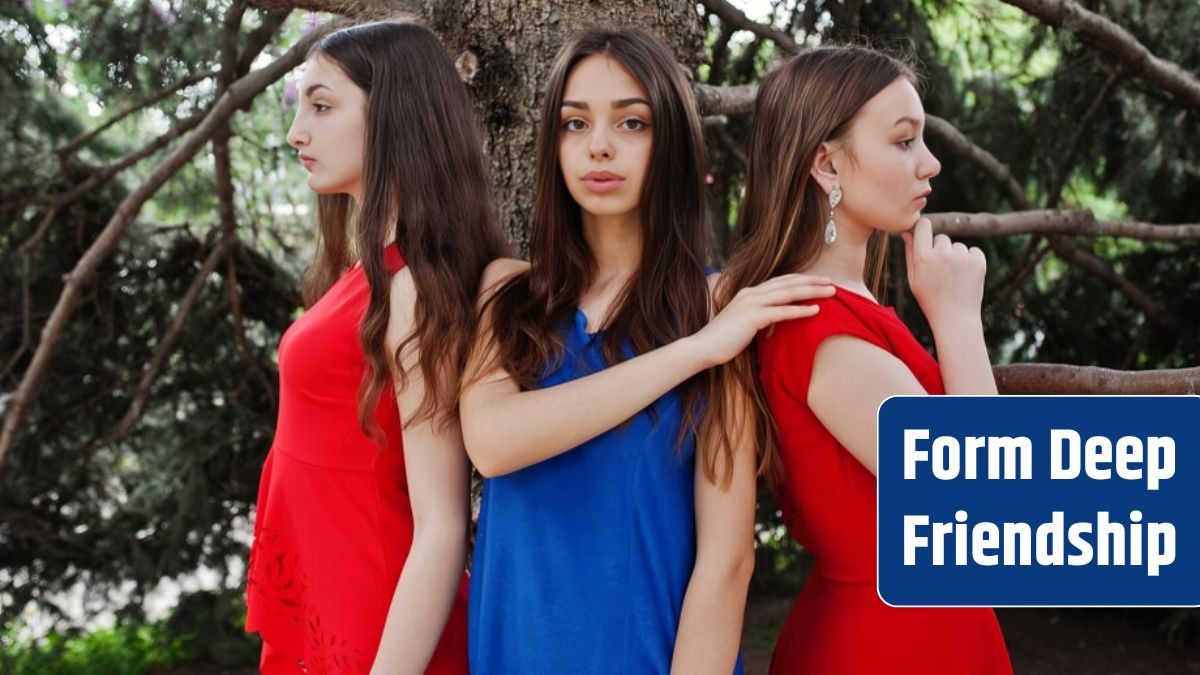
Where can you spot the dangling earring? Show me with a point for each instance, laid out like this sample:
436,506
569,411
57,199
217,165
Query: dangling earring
835,198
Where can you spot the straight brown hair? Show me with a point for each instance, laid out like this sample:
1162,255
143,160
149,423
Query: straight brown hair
424,178
809,100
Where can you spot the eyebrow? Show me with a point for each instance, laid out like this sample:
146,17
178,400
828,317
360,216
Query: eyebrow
619,103
911,120
313,87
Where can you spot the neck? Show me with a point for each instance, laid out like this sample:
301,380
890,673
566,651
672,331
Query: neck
616,244
844,260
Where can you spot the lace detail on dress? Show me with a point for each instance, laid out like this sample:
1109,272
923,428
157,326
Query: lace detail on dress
276,580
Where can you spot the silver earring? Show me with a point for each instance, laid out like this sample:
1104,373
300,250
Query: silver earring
835,198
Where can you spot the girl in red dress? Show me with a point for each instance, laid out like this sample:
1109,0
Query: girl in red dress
360,531
837,162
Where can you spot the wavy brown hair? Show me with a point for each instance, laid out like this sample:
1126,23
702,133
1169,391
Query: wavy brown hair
811,99
667,297
424,179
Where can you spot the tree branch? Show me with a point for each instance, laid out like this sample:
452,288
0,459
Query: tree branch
1049,221
736,19
1052,378
354,9
1117,41
725,100
994,168
1054,194
86,137
239,92
1093,265
166,345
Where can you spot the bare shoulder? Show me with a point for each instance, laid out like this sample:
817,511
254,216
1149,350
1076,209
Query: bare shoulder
714,280
714,284
501,270
402,294
497,273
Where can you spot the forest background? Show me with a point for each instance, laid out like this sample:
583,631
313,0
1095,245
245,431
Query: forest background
154,225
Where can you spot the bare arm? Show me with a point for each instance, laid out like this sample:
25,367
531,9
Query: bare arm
507,429
947,280
710,626
438,481
852,377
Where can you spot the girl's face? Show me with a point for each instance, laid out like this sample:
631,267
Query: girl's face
885,181
329,129
605,140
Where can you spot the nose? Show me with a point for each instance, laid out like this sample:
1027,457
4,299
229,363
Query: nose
599,146
929,165
297,137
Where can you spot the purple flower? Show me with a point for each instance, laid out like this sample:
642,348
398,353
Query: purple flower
164,12
291,95
311,21
68,4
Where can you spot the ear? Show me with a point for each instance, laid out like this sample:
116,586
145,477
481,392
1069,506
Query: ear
825,167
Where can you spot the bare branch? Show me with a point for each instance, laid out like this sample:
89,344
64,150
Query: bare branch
86,137
736,19
166,345
1050,221
102,174
1117,41
994,168
727,100
1054,194
239,92
1089,263
259,38
1052,378
354,9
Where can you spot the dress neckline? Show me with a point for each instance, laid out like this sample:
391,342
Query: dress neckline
886,309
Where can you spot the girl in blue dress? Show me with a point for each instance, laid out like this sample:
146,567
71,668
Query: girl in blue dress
604,546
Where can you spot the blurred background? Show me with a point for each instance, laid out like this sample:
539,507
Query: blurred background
154,225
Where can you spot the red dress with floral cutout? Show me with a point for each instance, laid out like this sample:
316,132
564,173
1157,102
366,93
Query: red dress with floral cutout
839,624
333,525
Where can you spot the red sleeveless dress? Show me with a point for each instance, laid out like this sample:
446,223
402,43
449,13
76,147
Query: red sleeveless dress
839,624
333,525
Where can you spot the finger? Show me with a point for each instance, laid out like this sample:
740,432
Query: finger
795,293
960,247
922,235
789,312
941,242
785,280
908,252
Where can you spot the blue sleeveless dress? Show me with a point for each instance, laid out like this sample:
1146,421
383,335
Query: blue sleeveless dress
582,561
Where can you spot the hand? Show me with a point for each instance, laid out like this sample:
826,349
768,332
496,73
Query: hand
946,277
755,308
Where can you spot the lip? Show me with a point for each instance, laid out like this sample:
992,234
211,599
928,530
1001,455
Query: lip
306,160
602,181
921,199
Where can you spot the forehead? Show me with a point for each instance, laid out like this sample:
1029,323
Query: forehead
600,77
321,70
898,99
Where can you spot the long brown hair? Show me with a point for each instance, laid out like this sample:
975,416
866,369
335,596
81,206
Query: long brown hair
423,178
667,296
809,100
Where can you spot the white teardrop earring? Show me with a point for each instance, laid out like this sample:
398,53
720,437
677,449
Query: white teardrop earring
835,198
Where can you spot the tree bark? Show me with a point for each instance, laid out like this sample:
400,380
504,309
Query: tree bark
512,46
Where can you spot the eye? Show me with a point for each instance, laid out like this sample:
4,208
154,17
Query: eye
633,124
907,143
320,107
574,124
